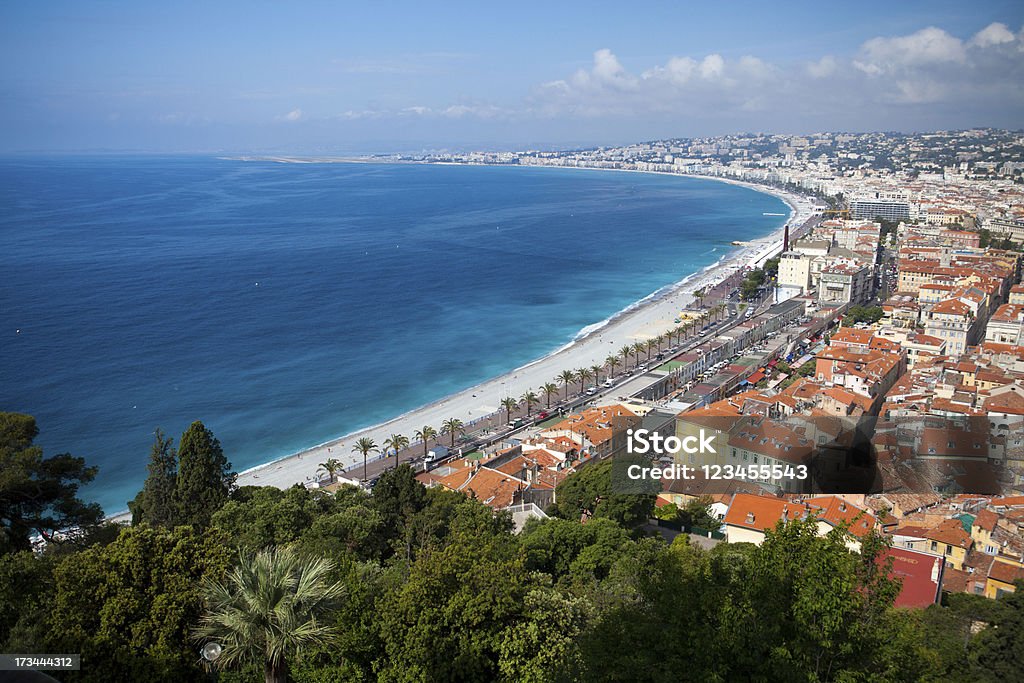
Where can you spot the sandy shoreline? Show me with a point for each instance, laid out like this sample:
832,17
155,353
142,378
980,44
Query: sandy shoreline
642,320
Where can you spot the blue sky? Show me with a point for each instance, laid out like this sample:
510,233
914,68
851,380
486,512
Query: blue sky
358,77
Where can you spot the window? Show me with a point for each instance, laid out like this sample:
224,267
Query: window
755,459
935,546
949,550
744,455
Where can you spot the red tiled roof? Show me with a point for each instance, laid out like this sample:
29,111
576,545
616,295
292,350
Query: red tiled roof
920,574
761,512
1005,572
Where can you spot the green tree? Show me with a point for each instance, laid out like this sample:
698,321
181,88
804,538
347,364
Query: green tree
540,647
364,445
589,493
331,466
582,375
626,351
204,476
697,513
567,376
396,442
127,607
154,504
453,427
638,348
549,389
258,517
425,434
39,495
447,620
596,369
509,404
529,399
566,549
612,362
998,650
814,607
986,238
24,582
271,606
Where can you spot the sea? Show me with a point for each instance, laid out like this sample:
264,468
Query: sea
285,304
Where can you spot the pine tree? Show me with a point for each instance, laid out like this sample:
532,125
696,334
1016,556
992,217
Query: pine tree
155,504
204,476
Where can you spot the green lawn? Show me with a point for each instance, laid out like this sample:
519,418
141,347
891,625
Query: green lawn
555,419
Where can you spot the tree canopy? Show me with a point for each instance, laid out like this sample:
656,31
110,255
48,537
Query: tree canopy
204,476
39,495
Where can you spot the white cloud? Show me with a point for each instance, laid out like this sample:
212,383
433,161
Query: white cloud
993,34
713,66
951,75
292,116
928,46
823,68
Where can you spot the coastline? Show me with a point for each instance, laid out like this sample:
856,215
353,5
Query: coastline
639,321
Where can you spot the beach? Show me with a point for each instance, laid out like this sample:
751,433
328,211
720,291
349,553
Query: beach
645,319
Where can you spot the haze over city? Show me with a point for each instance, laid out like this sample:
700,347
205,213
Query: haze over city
325,77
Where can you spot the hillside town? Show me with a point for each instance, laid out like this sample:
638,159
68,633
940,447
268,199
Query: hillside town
882,348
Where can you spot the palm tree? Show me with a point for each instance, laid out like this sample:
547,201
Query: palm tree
611,362
638,348
273,605
530,399
509,404
365,445
596,369
650,344
626,351
332,466
566,377
453,426
425,435
548,389
396,442
583,374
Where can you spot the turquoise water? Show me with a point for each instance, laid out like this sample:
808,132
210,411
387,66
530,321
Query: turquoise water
286,304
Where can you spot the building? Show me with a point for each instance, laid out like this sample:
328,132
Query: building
1006,326
920,575
794,272
953,322
872,207
841,283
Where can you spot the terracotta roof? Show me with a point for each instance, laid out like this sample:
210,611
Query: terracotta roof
1005,572
1010,402
951,307
987,520
835,511
852,336
950,532
771,439
761,513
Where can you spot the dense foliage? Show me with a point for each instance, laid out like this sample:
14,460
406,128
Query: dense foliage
429,585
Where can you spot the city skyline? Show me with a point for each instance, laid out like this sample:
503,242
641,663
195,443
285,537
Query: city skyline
402,78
